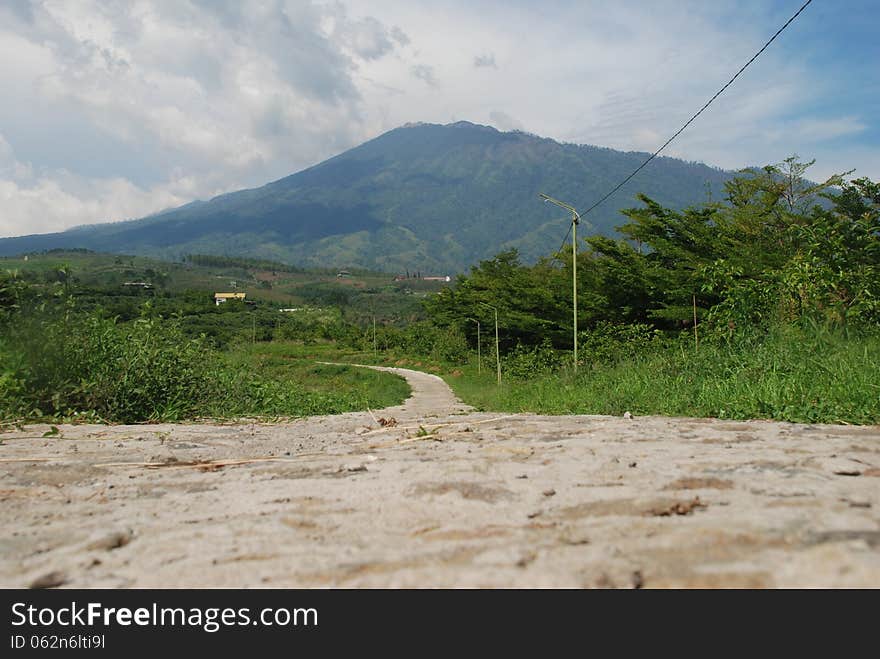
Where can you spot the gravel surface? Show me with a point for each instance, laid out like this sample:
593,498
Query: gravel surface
430,493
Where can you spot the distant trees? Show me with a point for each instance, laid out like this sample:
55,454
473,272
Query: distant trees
531,305
779,248
211,260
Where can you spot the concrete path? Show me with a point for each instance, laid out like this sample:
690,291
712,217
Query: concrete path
430,397
442,497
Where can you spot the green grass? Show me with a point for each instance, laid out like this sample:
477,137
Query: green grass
82,347
82,367
66,363
787,375
285,380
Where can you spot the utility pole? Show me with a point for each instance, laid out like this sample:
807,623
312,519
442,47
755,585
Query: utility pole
575,218
479,359
375,345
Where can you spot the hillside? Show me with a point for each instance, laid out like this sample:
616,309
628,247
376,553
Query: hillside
423,197
266,282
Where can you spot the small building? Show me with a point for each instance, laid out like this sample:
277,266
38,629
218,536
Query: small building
138,284
343,274
221,298
445,278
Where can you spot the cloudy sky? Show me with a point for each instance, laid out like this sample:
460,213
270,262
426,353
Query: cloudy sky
112,110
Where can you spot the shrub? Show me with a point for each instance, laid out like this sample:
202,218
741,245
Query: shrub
608,343
531,361
145,370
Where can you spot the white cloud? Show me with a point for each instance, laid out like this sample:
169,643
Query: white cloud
232,94
486,60
10,168
425,73
44,201
183,99
367,38
623,75
819,130
504,121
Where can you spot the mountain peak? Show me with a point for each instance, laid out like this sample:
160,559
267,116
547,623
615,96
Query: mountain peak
454,124
429,197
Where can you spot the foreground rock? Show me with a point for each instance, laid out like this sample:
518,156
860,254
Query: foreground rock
443,497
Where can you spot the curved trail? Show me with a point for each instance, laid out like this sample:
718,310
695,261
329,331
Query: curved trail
444,497
430,396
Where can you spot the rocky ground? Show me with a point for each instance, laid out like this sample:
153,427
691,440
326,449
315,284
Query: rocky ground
431,494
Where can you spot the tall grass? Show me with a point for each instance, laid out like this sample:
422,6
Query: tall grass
77,366
74,365
789,374
283,379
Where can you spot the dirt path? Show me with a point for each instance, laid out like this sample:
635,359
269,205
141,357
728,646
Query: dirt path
481,500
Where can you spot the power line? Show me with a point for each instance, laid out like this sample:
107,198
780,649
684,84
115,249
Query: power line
561,246
689,121
708,103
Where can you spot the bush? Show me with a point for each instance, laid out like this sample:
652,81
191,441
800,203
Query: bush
609,343
59,366
528,362
422,339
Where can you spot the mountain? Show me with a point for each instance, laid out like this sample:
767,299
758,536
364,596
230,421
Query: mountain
424,197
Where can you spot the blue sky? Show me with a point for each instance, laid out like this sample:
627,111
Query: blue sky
115,109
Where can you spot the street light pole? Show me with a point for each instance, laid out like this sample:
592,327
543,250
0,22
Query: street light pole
574,287
479,359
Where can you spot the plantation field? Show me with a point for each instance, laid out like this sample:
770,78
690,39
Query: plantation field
274,283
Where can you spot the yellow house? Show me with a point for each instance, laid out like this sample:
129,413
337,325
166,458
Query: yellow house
220,298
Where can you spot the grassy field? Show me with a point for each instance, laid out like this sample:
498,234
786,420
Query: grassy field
78,345
87,368
292,383
258,362
788,375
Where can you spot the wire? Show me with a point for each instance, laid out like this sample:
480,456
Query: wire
708,103
564,240
562,246
689,121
